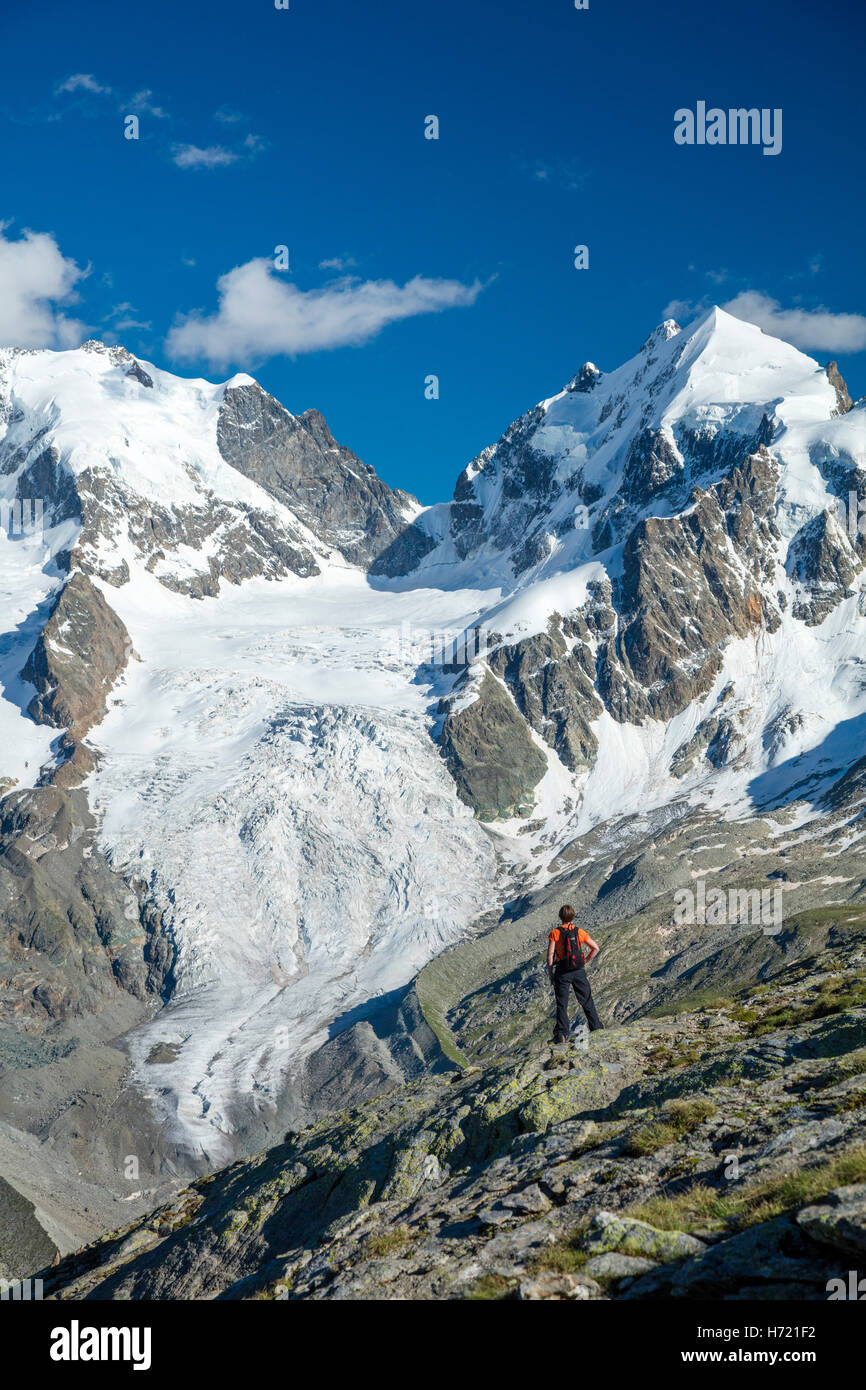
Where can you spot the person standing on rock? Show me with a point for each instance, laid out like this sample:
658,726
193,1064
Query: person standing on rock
569,951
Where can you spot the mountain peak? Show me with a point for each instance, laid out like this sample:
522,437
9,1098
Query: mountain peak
586,379
661,334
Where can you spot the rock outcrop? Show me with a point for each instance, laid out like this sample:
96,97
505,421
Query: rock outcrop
81,651
490,753
297,460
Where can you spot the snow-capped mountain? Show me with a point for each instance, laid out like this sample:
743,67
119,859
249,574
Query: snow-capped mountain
681,547
223,715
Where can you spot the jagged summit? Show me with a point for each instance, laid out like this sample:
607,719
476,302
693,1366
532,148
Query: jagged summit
570,476
661,334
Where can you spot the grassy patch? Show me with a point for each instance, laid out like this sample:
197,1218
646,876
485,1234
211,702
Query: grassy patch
855,1100
492,1286
666,1058
564,1257
833,996
751,1203
680,1118
699,1001
382,1243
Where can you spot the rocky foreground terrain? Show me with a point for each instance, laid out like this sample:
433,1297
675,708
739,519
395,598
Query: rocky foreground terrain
711,1150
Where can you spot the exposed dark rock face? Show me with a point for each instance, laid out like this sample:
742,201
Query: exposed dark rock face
823,565
24,1245
140,375
71,930
404,553
235,542
297,460
586,379
664,465
647,648
81,651
490,753
44,477
690,583
553,688
715,738
653,460
528,486
844,402
83,959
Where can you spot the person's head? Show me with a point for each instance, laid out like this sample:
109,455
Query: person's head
566,914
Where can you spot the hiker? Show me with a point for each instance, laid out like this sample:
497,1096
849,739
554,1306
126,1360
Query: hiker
569,950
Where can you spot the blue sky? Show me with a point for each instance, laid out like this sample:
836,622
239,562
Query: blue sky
305,128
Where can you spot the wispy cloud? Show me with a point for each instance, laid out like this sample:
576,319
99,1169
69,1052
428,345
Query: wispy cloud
195,157
338,263
123,318
819,329
217,156
83,82
128,325
815,330
682,310
36,280
184,154
141,102
262,315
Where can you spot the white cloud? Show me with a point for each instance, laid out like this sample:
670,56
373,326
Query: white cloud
84,82
339,263
124,316
217,156
680,309
261,315
194,157
819,329
227,116
34,280
142,102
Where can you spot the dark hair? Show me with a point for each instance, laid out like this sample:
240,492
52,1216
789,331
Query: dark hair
566,913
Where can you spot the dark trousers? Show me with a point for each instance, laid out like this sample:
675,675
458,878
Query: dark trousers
563,981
